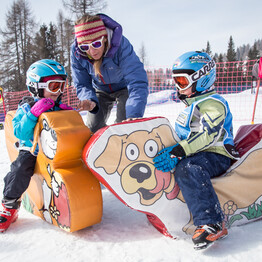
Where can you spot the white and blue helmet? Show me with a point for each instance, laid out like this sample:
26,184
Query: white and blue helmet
196,69
40,69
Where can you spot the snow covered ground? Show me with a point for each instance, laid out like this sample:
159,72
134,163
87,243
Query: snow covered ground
125,235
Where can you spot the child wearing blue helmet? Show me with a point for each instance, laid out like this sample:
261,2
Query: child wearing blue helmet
206,148
46,80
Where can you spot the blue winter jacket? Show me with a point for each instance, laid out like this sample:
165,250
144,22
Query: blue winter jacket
24,122
121,68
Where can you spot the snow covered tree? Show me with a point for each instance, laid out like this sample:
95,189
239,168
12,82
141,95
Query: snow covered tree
253,52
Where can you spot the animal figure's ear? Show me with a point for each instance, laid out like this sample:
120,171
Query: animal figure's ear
110,158
166,135
36,136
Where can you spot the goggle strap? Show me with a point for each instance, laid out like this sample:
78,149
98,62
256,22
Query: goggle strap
41,85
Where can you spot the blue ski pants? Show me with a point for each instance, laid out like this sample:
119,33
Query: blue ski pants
193,175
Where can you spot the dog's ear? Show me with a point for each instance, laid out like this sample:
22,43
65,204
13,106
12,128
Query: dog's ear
110,158
167,136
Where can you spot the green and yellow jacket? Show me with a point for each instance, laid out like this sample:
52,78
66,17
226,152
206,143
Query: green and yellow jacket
206,125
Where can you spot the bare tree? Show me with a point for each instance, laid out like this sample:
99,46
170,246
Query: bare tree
77,9
60,35
81,7
142,54
16,49
65,39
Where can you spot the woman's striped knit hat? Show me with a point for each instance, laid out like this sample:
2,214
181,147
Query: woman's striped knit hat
90,31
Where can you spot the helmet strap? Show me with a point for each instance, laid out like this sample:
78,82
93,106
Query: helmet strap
40,92
58,99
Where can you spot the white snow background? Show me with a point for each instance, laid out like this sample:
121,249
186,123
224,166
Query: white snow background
125,235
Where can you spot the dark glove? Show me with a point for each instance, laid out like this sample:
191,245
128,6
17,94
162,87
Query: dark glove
165,160
42,106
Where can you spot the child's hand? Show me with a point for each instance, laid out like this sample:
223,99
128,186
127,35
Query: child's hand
65,107
42,106
165,160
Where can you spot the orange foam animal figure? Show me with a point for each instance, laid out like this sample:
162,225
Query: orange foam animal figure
62,190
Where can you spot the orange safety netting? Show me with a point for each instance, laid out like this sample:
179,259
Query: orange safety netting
232,78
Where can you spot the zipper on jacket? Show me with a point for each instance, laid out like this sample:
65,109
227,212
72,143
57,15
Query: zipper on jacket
109,85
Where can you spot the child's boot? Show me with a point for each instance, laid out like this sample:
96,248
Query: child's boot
9,213
206,235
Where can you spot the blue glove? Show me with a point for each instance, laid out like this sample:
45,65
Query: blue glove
164,160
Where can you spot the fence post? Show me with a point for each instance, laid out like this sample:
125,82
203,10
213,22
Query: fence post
2,99
68,96
255,104
258,85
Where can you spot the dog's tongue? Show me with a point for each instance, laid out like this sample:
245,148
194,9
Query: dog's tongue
163,181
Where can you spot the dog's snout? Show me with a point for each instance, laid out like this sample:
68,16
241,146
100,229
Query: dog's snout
140,172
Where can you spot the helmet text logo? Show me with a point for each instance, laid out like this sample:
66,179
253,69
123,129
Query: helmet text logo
203,71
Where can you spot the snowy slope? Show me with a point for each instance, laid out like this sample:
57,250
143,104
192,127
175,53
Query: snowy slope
124,235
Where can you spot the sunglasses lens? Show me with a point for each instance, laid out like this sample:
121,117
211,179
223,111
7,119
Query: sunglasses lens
181,81
97,44
84,48
56,86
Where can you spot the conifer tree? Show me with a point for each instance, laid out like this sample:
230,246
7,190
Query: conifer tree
220,58
46,43
208,49
41,50
253,52
231,53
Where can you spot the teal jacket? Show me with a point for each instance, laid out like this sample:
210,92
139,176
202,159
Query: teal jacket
24,122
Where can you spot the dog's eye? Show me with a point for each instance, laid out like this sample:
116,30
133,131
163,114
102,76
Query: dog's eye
45,125
151,148
132,152
53,134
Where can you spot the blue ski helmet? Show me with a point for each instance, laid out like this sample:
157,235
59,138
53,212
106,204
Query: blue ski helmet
198,68
40,69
